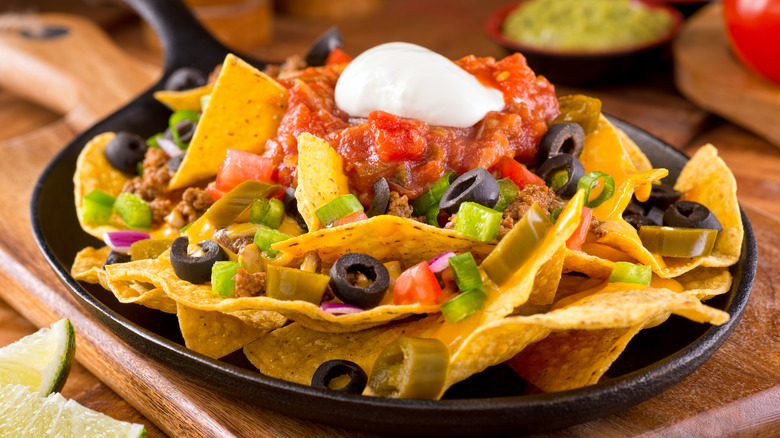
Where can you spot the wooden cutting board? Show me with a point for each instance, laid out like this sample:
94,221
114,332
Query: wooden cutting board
708,73
736,391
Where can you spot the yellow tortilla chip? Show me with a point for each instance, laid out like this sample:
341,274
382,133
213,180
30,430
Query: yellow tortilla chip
294,352
244,111
184,99
214,334
321,177
386,238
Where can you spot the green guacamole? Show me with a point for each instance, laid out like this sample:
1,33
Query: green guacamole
585,25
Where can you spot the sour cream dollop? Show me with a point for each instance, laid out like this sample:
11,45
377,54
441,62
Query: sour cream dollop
411,81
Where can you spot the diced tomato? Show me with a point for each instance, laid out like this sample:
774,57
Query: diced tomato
397,138
240,166
348,219
215,193
518,173
578,238
337,56
417,284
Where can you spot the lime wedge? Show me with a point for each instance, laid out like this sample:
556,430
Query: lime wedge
26,414
40,361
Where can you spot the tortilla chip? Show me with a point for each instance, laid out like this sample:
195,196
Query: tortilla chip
184,99
638,158
214,334
705,283
500,340
547,279
294,352
245,110
321,177
268,313
386,238
87,264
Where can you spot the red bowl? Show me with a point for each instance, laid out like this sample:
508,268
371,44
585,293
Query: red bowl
587,67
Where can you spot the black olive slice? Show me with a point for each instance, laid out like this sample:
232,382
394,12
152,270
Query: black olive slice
185,78
662,196
291,208
638,220
174,163
634,208
353,263
125,151
336,368
195,269
116,257
562,162
381,198
690,214
561,138
476,185
322,46
186,129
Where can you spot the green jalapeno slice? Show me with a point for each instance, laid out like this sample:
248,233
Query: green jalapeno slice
678,242
411,368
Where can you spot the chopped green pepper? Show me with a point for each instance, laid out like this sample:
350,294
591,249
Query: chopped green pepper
268,212
152,141
580,109
98,207
222,282
508,191
678,242
133,210
291,284
411,368
423,203
478,221
149,248
463,305
466,272
265,237
337,208
517,246
625,272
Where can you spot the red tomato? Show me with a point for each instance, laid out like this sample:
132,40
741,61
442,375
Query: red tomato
240,166
754,33
417,284
348,219
215,193
337,56
518,173
397,138
578,237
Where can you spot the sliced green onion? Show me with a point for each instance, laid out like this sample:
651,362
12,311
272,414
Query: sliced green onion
625,272
222,282
265,237
478,221
292,284
554,214
133,210
589,180
268,212
98,207
432,216
423,203
508,191
177,117
338,208
466,272
463,305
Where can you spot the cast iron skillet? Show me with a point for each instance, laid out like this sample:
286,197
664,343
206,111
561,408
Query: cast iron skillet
487,403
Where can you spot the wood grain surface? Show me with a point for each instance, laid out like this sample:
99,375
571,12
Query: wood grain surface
735,393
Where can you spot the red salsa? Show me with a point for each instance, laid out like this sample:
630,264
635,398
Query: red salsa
409,153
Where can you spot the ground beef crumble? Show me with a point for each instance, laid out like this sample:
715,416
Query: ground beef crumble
249,285
544,196
399,206
194,202
151,186
233,244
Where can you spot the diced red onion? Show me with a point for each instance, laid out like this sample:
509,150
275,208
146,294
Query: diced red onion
441,261
120,241
340,308
169,147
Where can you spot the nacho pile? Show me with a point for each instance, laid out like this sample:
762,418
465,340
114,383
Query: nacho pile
280,225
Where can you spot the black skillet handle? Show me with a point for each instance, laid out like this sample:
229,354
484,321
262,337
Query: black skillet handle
185,42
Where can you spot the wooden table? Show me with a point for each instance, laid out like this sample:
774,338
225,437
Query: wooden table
736,392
